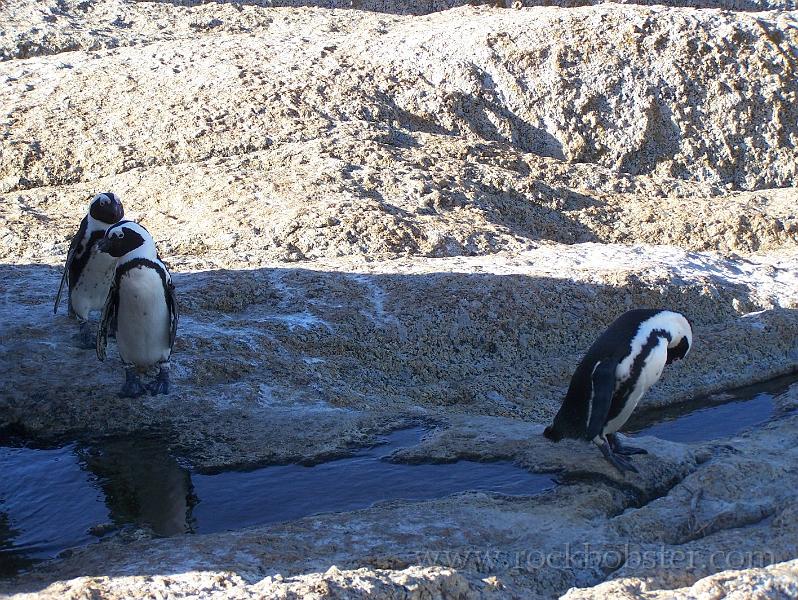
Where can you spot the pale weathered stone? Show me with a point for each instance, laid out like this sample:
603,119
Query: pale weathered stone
375,220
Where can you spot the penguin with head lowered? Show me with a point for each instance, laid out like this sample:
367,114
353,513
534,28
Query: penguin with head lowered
142,302
620,366
87,272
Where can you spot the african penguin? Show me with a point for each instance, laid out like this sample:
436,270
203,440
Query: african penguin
617,370
87,273
142,300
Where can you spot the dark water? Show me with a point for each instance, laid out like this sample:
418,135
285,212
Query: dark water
47,503
713,417
239,499
54,499
51,500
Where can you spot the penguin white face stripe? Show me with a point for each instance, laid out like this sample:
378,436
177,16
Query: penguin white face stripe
128,225
144,244
674,323
104,209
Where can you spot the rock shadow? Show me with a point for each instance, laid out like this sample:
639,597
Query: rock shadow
274,365
483,114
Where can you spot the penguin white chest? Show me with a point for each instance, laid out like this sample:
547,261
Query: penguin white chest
649,375
92,286
142,318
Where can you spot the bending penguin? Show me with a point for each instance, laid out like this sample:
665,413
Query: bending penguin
620,366
87,272
142,301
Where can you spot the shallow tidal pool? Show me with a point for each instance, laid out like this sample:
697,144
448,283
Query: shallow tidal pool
53,499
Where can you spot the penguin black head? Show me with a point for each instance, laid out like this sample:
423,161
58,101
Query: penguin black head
106,208
679,351
126,237
681,340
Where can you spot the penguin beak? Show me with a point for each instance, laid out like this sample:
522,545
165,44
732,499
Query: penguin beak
104,245
119,211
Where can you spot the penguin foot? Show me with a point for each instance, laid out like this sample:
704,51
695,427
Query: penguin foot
619,448
160,385
133,387
629,450
617,461
85,339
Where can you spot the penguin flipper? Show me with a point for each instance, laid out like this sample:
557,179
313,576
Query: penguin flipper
171,302
61,287
109,314
73,249
603,380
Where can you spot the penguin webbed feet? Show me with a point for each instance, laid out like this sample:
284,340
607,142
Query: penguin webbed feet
616,460
133,387
160,385
85,338
618,448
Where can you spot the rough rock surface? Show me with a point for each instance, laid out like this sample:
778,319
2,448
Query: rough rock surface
775,581
703,95
702,510
383,217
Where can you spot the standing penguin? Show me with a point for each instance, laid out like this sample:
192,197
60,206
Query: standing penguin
617,370
88,273
142,301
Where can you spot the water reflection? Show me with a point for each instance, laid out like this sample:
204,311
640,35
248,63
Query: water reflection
48,499
142,483
58,498
52,499
11,559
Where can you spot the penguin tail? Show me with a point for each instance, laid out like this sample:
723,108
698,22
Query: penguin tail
552,434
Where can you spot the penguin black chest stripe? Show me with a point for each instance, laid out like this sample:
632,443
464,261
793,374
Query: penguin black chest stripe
77,256
82,257
626,386
140,262
166,285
